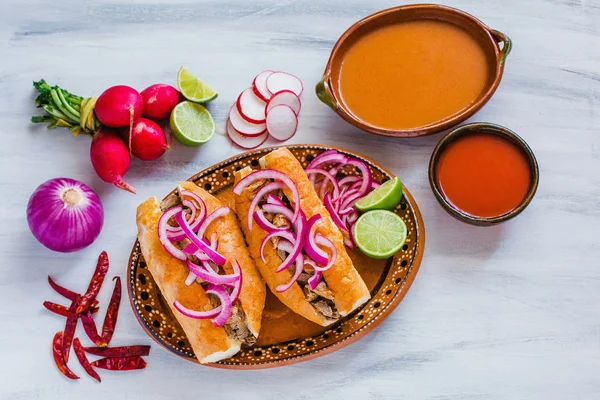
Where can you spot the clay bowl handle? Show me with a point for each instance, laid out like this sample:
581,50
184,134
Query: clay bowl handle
324,92
506,48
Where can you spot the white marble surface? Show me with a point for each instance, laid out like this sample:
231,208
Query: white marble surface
510,312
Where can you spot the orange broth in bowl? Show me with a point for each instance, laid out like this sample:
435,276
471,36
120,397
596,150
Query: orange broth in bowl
412,74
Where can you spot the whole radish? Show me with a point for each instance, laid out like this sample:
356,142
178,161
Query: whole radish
147,141
119,106
159,101
110,157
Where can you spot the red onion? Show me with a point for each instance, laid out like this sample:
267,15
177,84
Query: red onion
323,189
202,273
290,237
221,313
317,159
314,280
200,255
271,187
349,241
278,209
235,293
330,156
191,278
285,245
298,271
272,199
218,213
346,211
323,241
310,246
269,174
267,225
226,303
352,218
65,215
366,173
163,235
196,314
200,244
328,176
174,233
334,215
340,201
351,199
348,180
211,268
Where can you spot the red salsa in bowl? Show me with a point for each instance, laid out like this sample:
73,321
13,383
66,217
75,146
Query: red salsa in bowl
483,173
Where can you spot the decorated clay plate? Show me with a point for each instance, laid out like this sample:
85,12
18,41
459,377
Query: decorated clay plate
286,337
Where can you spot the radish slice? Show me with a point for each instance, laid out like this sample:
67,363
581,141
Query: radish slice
259,85
251,107
246,142
282,122
278,81
244,127
286,97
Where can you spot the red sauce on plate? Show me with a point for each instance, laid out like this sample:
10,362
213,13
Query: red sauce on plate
483,174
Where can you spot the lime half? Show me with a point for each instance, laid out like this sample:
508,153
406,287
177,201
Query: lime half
385,197
380,233
193,88
191,124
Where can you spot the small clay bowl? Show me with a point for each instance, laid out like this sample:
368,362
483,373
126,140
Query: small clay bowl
482,127
495,44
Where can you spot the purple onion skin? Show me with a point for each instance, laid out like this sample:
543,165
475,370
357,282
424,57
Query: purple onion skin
65,215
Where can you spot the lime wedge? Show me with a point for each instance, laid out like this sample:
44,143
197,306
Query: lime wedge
191,124
385,197
193,88
380,233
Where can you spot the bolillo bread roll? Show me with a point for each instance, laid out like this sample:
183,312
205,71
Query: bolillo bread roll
293,298
350,291
210,343
233,246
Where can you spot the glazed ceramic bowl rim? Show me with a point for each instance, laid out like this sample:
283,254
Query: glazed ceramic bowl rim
485,128
324,88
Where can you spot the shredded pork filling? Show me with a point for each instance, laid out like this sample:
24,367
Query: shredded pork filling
236,327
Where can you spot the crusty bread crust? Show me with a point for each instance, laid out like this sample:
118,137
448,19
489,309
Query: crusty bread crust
342,278
233,246
293,297
208,341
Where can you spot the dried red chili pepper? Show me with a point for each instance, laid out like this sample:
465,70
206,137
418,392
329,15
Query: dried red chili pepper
63,310
124,351
120,363
85,363
56,308
58,356
63,291
112,312
95,283
70,327
69,294
90,329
